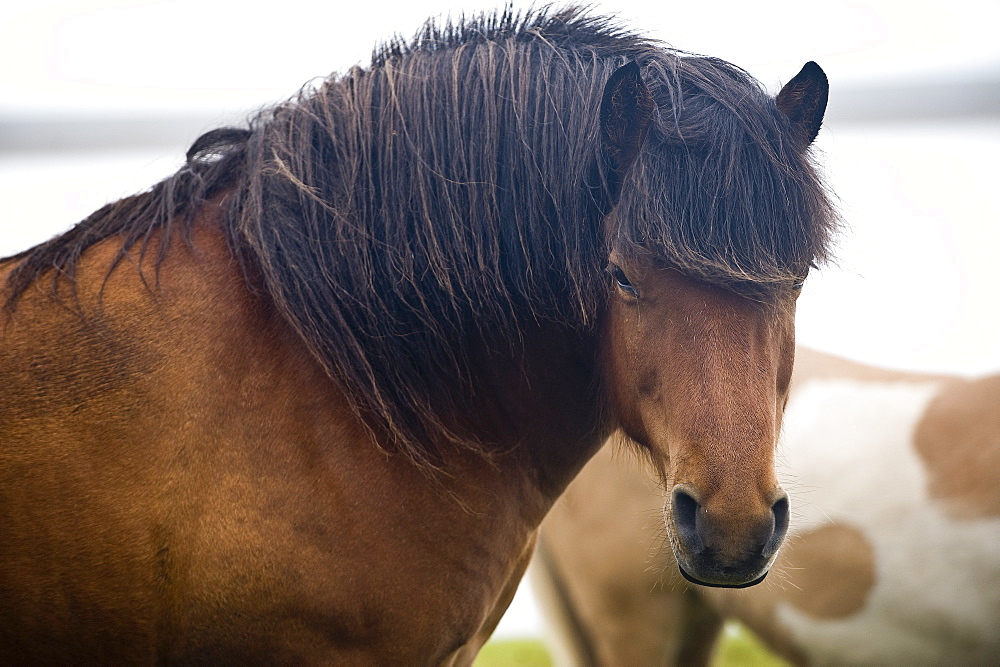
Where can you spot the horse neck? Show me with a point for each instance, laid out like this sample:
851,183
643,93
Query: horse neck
537,404
536,407
541,406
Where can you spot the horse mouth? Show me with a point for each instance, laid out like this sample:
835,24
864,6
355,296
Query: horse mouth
710,584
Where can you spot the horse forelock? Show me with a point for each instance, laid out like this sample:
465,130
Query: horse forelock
406,214
722,191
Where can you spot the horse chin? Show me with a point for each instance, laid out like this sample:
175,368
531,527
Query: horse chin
711,584
712,575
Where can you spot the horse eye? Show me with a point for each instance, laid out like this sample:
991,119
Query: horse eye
623,282
797,285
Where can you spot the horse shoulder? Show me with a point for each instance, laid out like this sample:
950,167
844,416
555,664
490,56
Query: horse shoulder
202,481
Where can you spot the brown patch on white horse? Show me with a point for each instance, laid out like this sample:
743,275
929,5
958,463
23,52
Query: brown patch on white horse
828,588
958,439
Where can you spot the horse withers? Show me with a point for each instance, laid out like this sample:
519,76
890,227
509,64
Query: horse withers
892,558
309,398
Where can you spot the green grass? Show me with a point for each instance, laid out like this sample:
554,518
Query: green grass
514,653
738,647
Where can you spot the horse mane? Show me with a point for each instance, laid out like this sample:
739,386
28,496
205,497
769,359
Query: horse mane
406,214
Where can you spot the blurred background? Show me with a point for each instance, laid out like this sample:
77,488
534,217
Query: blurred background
101,98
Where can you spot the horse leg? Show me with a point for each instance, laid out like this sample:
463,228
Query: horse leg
617,620
701,626
568,637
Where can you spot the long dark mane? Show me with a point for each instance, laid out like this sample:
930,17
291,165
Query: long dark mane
452,193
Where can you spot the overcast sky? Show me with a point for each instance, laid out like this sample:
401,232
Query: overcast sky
126,54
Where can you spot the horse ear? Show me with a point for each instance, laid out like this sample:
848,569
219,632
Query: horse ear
803,100
626,111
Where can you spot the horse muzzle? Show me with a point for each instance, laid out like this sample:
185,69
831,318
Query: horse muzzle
723,548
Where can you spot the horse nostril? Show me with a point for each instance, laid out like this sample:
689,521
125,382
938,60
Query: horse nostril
779,511
685,509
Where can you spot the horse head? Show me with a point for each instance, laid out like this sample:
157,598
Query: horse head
700,340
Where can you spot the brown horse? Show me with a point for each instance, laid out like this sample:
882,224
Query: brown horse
309,398
907,575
